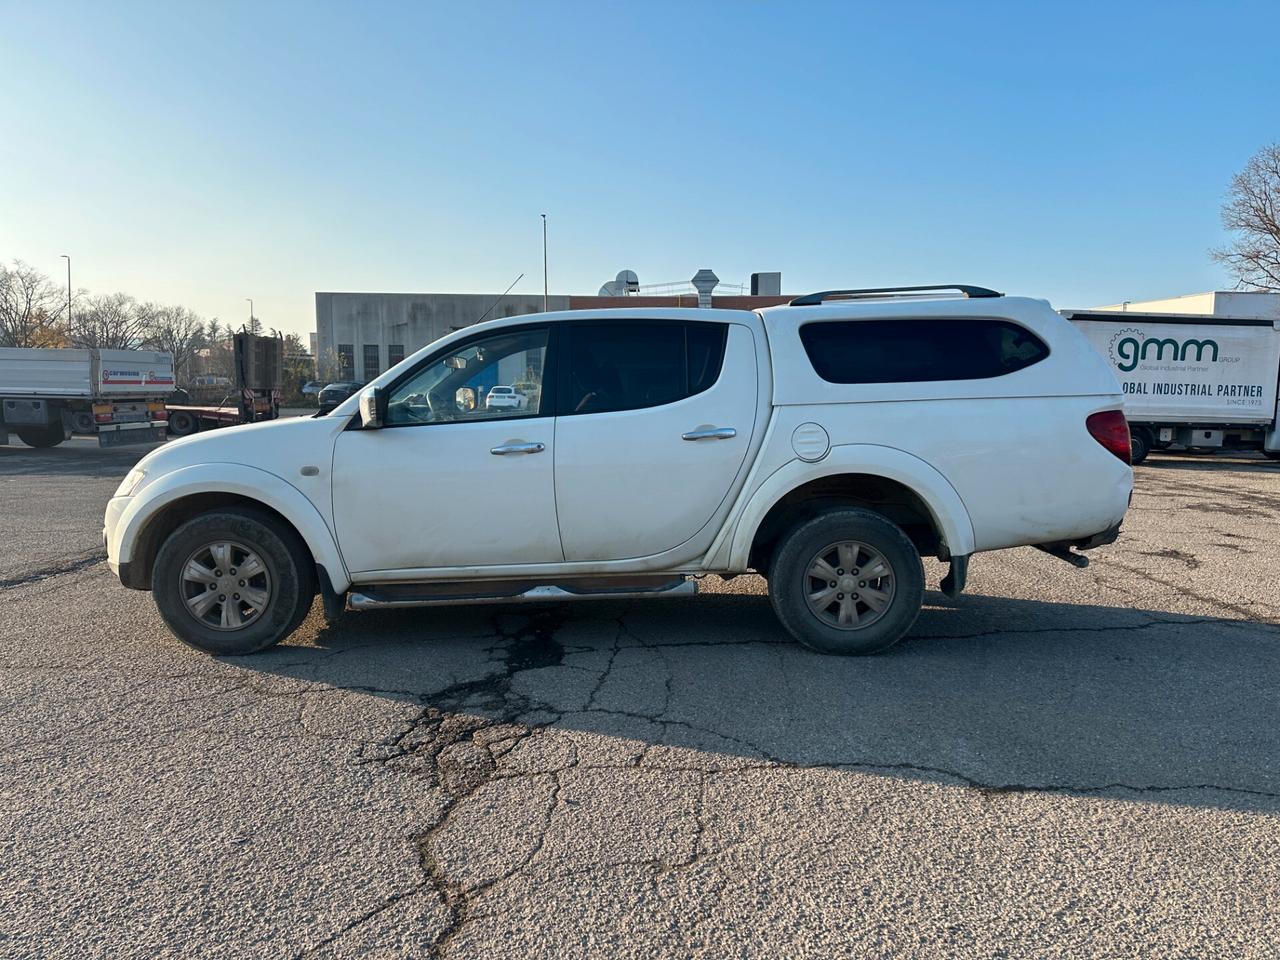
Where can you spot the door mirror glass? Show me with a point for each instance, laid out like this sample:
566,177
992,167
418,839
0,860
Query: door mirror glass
372,408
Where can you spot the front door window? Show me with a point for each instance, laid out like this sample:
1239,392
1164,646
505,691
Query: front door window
499,377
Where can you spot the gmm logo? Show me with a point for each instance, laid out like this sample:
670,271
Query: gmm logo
1130,346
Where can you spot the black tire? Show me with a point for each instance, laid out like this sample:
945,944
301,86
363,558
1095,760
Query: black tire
789,582
183,423
1139,445
41,437
289,568
82,422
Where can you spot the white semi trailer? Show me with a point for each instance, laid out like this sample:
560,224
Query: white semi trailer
1196,381
118,395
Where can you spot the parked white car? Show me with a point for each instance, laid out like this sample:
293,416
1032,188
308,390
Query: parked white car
505,398
828,444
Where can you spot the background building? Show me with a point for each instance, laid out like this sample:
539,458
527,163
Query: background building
1248,304
359,335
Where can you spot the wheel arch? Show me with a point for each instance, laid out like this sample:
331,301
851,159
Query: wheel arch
902,486
161,506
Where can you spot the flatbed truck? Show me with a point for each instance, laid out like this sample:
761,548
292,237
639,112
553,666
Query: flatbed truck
116,395
258,390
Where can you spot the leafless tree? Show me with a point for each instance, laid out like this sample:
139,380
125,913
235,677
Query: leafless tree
1252,211
328,366
216,355
111,321
30,308
175,330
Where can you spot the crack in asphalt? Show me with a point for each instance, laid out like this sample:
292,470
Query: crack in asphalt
461,733
44,573
1242,610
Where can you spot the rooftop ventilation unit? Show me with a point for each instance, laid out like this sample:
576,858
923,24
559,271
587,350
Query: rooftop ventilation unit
625,284
704,281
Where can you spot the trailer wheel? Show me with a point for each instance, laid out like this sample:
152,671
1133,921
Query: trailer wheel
182,423
82,422
41,437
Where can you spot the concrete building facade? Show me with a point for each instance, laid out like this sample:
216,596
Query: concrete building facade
359,335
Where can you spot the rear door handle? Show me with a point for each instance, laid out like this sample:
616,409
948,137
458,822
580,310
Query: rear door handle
518,447
710,433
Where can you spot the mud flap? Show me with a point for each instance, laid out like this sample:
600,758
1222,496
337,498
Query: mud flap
334,604
956,577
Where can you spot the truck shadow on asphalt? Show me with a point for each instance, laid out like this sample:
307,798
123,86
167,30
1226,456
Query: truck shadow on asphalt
988,693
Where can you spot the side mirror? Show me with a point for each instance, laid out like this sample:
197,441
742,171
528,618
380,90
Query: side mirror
373,408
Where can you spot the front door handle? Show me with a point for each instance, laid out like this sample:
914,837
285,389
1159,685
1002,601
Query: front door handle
518,446
710,433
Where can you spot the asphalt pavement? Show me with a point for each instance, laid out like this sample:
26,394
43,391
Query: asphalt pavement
1061,762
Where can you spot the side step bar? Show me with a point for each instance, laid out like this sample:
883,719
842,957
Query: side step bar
436,594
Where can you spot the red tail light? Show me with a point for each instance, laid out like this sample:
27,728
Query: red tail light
1111,429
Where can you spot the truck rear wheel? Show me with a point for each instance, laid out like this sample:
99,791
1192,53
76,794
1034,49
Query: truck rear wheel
233,581
1140,441
41,437
847,581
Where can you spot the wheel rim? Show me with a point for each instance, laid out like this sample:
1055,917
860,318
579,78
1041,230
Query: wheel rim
225,585
849,585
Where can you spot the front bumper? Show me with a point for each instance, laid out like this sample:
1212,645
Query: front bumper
111,541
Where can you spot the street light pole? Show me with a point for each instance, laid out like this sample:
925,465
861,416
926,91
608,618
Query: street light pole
544,263
68,259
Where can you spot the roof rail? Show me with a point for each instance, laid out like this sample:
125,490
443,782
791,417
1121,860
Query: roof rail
811,299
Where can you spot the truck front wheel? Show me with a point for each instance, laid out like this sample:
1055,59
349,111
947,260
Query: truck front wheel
233,581
41,437
847,581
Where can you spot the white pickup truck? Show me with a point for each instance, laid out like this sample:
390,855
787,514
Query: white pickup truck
119,395
828,444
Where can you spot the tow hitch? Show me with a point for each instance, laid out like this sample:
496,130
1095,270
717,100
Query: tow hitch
1063,552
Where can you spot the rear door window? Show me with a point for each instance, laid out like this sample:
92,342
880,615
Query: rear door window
629,365
919,350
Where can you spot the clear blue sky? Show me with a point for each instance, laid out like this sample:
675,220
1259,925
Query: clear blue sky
202,153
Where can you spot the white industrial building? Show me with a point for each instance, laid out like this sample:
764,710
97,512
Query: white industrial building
1246,304
362,334
359,335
